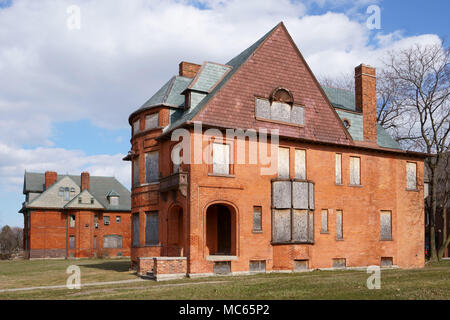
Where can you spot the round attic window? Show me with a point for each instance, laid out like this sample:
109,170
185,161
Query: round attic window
282,95
346,123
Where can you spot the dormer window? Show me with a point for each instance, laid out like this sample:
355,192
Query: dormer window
280,108
113,198
114,201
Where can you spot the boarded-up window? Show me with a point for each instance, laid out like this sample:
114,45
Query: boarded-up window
72,242
95,242
257,265
72,221
324,221
151,167
385,225
106,220
222,267
221,158
300,225
176,157
152,121
136,126
136,171
300,164
301,265
339,263
339,226
151,228
281,225
411,176
112,241
293,221
338,168
283,163
257,217
135,223
280,111
355,178
386,262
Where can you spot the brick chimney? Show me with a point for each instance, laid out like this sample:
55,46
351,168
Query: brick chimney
188,69
366,100
84,181
50,178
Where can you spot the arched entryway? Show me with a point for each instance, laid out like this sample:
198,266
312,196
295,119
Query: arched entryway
175,234
221,230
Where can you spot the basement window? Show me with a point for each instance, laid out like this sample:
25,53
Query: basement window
386,262
257,266
339,263
301,265
222,267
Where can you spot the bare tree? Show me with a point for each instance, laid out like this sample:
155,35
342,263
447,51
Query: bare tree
421,77
443,192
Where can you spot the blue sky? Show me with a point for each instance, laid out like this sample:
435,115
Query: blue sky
65,95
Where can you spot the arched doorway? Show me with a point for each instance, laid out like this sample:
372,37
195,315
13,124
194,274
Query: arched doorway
221,230
175,234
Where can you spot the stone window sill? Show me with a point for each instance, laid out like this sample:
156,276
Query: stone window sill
324,232
387,239
355,185
257,231
339,184
412,190
221,175
341,239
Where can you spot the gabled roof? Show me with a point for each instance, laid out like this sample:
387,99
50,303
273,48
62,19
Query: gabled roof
99,188
85,194
235,64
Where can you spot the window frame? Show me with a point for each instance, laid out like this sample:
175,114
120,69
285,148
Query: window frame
350,173
230,162
341,182
148,238
327,230
415,176
391,236
260,229
340,212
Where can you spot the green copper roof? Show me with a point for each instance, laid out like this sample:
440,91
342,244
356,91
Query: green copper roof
208,76
356,124
356,130
170,93
340,98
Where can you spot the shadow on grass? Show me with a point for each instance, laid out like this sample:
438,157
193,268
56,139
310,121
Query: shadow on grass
118,266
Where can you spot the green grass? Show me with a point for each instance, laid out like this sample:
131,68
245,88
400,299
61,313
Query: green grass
432,282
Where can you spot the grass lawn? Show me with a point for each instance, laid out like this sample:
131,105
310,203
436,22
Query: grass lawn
432,282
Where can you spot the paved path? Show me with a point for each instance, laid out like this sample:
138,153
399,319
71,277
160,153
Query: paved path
65,287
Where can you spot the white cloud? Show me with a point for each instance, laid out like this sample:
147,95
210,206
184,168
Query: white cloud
14,162
125,50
